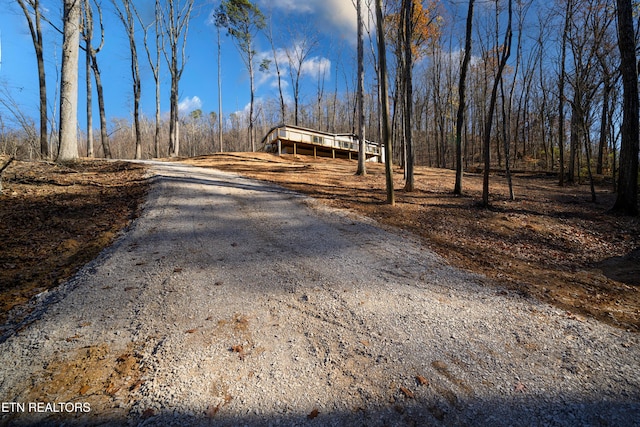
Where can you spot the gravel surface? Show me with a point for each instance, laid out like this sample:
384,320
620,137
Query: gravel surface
234,302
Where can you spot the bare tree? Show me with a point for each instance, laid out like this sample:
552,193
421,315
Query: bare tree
176,26
128,21
462,101
362,169
627,199
243,21
87,36
220,21
154,64
68,146
504,55
561,97
276,63
384,100
93,52
34,21
507,102
17,116
407,39
304,43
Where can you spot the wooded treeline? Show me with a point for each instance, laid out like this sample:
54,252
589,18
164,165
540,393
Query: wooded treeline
544,88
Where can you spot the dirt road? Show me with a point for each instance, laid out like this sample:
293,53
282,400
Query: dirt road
233,302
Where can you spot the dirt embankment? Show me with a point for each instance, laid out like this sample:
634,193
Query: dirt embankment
54,218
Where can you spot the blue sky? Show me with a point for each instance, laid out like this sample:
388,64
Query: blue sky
333,21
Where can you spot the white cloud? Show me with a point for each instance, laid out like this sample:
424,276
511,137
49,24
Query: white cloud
292,5
316,67
330,15
188,105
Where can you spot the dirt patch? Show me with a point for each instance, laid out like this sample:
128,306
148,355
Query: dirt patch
91,379
55,218
551,243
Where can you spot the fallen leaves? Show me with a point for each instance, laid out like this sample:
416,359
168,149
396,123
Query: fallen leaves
112,389
241,323
136,386
519,387
73,338
212,410
240,350
422,380
407,393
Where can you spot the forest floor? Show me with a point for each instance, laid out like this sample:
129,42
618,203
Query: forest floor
551,243
55,218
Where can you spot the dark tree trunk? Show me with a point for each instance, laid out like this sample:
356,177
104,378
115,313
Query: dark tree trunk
461,94
408,96
627,200
492,103
384,100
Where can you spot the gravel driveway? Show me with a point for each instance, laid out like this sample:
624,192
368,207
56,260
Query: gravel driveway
234,302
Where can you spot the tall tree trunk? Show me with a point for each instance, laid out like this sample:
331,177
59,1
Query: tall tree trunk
128,22
155,66
563,55
176,26
88,36
103,117
494,92
574,140
89,100
407,14
220,91
68,138
42,83
156,76
35,28
587,147
506,130
362,169
384,100
252,139
604,127
96,72
627,199
462,101
174,142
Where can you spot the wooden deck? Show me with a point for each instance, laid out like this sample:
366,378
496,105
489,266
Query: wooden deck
297,140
